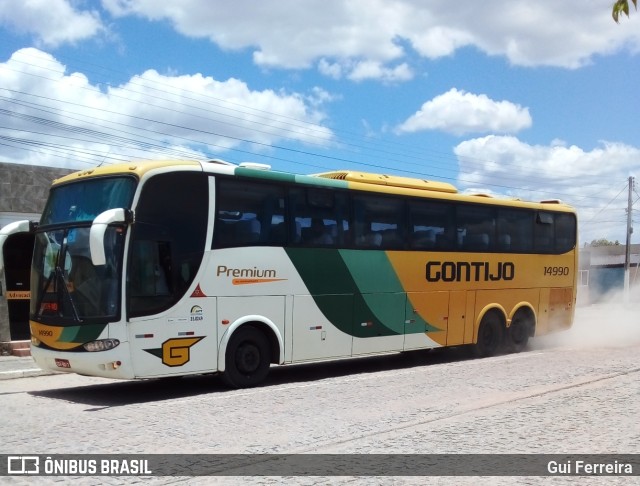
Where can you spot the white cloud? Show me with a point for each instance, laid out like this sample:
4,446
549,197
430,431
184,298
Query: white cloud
591,180
331,69
347,39
52,22
459,112
366,70
150,116
358,39
375,70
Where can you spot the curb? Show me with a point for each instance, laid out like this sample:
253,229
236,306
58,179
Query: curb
11,375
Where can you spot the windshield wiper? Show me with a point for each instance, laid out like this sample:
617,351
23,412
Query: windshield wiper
61,288
65,291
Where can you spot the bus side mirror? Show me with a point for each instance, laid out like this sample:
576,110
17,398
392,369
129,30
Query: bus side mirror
99,228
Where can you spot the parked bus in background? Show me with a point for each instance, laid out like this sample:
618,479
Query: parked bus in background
154,269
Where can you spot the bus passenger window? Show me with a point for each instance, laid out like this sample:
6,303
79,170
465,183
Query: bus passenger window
544,232
515,230
476,228
319,217
318,233
366,237
565,232
249,214
430,225
378,222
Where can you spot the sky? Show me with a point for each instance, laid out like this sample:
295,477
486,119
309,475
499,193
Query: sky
531,99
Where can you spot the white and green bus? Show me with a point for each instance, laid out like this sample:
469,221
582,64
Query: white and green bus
155,269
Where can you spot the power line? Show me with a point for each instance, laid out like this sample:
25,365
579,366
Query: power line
408,156
272,116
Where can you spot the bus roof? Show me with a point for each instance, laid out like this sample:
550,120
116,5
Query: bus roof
387,180
338,179
138,168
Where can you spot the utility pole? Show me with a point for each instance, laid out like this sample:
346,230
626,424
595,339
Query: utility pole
627,256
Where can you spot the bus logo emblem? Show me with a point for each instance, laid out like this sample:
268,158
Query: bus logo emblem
176,351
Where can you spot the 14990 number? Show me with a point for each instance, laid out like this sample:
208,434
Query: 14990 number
556,271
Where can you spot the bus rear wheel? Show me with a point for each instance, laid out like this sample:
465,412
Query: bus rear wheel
247,359
490,335
519,331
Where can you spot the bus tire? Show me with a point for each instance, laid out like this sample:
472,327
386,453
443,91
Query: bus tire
490,335
519,330
247,359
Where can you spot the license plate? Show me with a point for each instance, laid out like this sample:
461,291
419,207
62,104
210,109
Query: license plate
63,363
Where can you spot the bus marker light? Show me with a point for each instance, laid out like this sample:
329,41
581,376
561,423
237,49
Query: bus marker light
143,336
186,333
116,364
367,324
225,322
315,328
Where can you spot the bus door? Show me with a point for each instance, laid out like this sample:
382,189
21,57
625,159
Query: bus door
182,341
172,323
17,252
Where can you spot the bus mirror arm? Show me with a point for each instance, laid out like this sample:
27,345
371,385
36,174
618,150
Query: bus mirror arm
99,228
24,226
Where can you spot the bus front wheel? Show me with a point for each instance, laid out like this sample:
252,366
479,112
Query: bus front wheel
490,335
247,359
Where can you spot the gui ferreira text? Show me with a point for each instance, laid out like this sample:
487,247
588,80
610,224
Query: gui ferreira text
587,468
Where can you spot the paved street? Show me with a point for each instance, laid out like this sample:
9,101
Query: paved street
578,392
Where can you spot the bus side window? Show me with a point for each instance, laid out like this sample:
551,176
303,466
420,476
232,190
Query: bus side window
167,241
515,230
247,231
378,222
476,228
365,236
149,269
319,217
544,232
429,222
565,232
249,213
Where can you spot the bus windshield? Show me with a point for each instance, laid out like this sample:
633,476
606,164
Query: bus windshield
66,287
83,201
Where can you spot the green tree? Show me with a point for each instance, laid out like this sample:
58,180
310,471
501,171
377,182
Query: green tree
622,6
604,242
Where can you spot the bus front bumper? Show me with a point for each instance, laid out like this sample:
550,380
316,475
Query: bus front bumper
114,363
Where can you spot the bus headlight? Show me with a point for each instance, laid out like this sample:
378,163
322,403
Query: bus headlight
101,345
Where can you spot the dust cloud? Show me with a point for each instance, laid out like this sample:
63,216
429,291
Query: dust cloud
608,323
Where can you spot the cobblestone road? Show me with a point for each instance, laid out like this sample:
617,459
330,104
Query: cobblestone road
578,392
